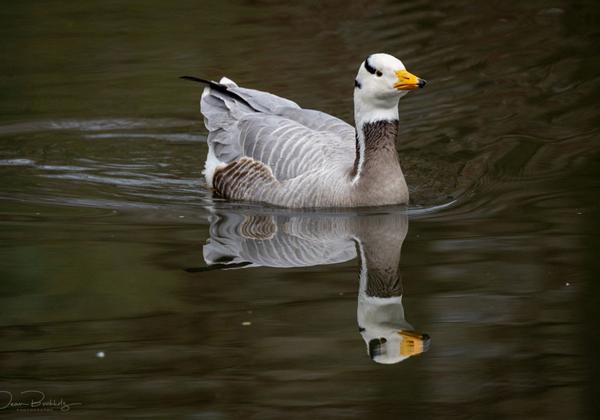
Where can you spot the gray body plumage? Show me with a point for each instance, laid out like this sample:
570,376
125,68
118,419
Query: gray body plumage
267,149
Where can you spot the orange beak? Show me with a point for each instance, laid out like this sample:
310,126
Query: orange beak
408,81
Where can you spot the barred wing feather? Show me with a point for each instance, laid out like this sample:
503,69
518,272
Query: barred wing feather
273,130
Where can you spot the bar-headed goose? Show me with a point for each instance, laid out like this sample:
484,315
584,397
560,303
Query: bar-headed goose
267,149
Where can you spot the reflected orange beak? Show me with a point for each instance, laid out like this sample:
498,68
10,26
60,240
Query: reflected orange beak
408,81
413,343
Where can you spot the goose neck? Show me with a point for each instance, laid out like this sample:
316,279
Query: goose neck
375,146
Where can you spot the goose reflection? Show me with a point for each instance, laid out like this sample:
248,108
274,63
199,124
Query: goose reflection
249,239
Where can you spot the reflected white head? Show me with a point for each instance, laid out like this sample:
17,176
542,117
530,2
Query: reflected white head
381,81
394,346
387,334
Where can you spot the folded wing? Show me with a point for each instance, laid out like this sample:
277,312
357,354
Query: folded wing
272,130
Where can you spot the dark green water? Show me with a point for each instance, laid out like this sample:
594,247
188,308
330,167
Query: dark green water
105,295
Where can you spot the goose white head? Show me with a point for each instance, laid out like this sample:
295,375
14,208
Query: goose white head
381,81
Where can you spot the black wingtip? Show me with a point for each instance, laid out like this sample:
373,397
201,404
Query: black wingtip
220,88
196,79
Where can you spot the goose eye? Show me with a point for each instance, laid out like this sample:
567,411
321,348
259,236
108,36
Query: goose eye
379,74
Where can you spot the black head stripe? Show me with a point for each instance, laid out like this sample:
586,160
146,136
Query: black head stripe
357,84
376,347
369,68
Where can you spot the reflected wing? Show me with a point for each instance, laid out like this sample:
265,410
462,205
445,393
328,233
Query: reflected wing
265,241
